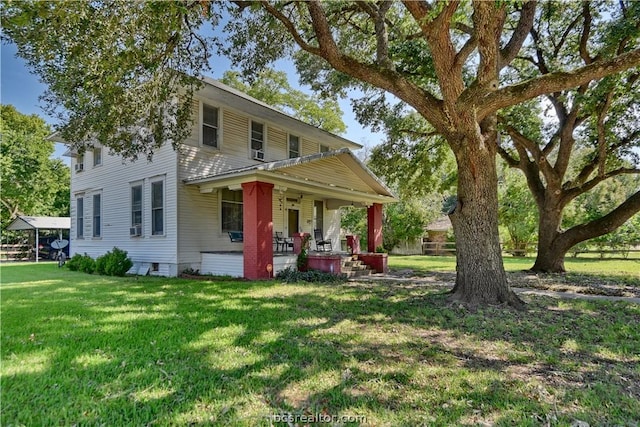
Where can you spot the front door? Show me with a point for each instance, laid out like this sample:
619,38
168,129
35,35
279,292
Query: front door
293,221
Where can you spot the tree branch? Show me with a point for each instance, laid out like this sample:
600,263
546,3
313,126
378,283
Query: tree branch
601,226
554,82
586,31
290,26
382,37
574,192
525,23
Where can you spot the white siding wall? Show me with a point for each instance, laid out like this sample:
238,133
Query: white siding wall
113,180
223,264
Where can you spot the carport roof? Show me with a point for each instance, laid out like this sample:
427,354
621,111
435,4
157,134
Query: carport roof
23,222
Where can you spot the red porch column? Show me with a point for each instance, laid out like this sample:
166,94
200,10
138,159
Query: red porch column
374,227
257,217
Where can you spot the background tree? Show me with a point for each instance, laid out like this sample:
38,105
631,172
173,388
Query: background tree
272,87
120,73
593,135
518,213
443,59
403,221
598,202
32,182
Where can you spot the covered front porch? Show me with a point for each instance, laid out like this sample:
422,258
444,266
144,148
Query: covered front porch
295,197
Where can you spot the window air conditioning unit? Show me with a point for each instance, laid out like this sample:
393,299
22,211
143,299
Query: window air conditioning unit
79,167
135,231
257,155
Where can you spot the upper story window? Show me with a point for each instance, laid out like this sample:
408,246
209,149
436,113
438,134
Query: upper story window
97,215
80,162
257,140
97,156
324,148
210,126
157,208
80,217
294,146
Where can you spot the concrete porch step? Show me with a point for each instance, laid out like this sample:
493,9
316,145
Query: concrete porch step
353,267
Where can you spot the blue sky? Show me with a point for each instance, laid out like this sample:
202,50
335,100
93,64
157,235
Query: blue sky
22,89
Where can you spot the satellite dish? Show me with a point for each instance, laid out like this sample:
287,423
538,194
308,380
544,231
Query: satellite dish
59,244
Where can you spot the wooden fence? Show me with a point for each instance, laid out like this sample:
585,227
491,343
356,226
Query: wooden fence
19,252
449,248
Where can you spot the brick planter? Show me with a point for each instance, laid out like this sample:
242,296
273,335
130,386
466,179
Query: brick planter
377,261
326,263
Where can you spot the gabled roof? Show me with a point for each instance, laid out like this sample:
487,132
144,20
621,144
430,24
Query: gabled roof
40,222
441,224
337,174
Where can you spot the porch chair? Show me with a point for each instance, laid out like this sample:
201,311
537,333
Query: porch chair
236,236
283,242
321,241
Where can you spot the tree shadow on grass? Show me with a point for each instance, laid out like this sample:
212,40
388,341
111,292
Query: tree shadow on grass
157,351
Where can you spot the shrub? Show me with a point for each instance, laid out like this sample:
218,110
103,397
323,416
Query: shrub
291,275
86,264
74,263
113,263
101,264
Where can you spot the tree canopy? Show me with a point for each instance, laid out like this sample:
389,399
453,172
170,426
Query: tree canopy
272,87
32,182
591,134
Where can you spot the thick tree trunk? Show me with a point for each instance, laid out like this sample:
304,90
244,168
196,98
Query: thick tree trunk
481,278
554,244
550,257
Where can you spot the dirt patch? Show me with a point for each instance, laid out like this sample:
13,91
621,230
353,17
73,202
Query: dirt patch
570,283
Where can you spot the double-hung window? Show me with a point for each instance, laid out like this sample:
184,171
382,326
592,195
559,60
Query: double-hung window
97,156
136,206
97,215
80,217
257,140
157,208
231,210
294,146
209,126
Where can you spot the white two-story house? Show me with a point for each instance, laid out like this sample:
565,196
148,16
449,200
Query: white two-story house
246,167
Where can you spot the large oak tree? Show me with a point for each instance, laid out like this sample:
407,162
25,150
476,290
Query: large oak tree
594,134
108,60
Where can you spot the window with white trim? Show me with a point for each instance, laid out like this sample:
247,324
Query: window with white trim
136,205
257,139
157,208
97,215
294,146
97,156
210,126
231,206
80,163
80,217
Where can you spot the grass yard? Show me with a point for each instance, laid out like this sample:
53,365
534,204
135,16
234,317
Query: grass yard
90,350
581,265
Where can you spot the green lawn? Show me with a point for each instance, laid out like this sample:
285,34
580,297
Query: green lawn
90,350
580,265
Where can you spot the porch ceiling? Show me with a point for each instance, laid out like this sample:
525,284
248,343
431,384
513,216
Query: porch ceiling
338,176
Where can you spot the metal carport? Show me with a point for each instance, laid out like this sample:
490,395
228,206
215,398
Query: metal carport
37,223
